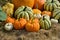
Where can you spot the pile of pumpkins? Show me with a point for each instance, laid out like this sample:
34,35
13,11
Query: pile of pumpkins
32,15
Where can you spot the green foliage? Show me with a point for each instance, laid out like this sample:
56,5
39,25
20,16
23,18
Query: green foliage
3,15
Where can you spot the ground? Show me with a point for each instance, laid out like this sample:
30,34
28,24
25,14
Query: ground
52,34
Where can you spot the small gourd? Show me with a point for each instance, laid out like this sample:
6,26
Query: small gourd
8,26
54,20
32,25
24,12
56,13
45,22
46,12
10,20
19,24
50,5
37,13
8,8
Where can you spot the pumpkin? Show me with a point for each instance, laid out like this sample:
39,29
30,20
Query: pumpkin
8,26
56,13
59,20
8,8
54,21
37,13
45,22
32,25
10,20
50,5
24,12
19,3
46,12
22,22
39,4
19,24
16,24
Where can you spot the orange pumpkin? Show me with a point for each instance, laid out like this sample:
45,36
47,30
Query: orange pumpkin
36,11
46,12
36,20
10,20
32,26
39,4
19,24
22,22
19,3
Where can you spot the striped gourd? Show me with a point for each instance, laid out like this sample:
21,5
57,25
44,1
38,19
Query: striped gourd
50,5
24,12
45,22
56,13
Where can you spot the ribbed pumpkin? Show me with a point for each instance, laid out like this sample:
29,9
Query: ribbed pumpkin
19,3
39,4
24,12
59,20
10,20
50,5
46,12
19,24
37,13
45,22
32,25
56,13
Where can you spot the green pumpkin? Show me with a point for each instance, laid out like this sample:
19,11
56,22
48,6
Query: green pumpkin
59,20
56,13
24,12
45,22
50,5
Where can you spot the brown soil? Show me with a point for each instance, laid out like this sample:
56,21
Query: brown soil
51,34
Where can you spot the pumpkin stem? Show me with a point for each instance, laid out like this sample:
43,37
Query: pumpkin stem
36,6
52,0
24,8
43,18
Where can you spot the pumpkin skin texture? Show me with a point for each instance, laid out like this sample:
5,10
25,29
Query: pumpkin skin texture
19,3
37,13
32,26
39,4
16,25
10,20
50,5
46,12
24,12
45,22
22,22
56,13
36,20
19,24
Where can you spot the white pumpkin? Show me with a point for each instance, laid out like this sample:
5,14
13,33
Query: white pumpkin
54,20
37,16
8,26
